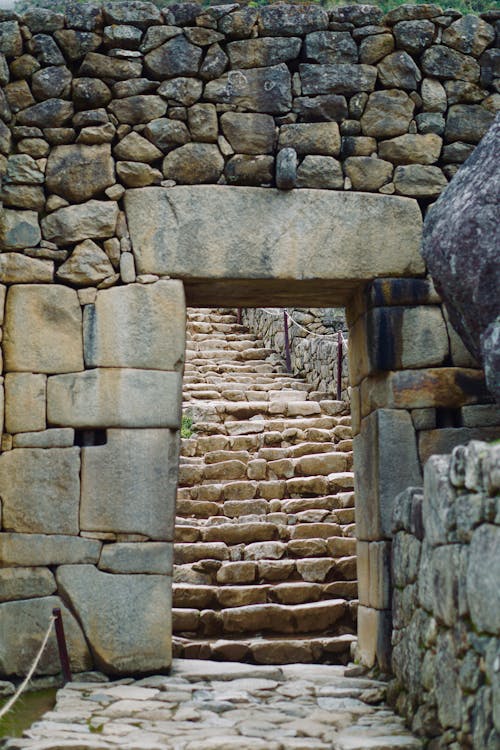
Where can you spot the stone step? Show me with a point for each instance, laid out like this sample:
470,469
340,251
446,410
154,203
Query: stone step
294,650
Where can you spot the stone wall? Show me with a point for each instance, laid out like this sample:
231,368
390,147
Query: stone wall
446,601
110,120
313,343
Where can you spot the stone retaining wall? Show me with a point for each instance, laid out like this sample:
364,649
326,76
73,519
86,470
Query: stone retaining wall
313,343
446,600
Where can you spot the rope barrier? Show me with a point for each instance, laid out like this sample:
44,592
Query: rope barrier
299,325
31,672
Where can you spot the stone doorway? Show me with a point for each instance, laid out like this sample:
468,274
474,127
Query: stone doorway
111,361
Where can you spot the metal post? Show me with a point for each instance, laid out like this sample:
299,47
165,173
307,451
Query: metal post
339,366
61,645
288,360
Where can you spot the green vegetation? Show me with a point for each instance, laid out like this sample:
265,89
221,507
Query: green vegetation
186,426
465,6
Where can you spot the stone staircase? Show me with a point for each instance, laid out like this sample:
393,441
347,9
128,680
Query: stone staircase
265,567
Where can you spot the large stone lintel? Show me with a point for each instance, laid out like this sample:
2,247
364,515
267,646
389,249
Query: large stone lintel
209,233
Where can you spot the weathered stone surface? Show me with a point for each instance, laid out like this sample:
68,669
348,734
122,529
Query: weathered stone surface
105,601
286,169
40,490
482,575
433,95
58,438
43,329
177,57
442,62
11,41
469,34
385,463
19,229
203,123
51,83
215,63
127,484
414,36
387,114
249,133
101,66
25,397
374,48
399,70
167,134
137,557
24,624
52,113
140,14
291,19
419,181
20,269
463,260
323,107
90,93
87,265
25,583
181,90
76,43
23,169
256,53
142,108
135,174
265,90
91,220
78,173
331,47
194,163
411,149
139,326
47,549
342,78
30,197
114,398
311,138
320,172
367,173
246,169
467,122
266,228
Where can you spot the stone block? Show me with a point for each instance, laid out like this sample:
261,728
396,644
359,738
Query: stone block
449,387
385,463
279,236
483,573
63,437
91,220
138,326
481,415
126,618
19,229
25,583
363,566
20,269
374,637
438,582
24,624
40,490
43,549
441,441
43,329
115,398
25,397
137,557
380,575
129,484
397,338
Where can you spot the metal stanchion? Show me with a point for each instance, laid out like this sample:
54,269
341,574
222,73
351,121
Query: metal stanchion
61,645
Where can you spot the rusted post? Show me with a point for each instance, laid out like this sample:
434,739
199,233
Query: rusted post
61,645
288,359
339,365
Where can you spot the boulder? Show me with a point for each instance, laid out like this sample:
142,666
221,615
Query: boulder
87,265
194,163
387,114
19,229
126,618
257,89
460,246
177,57
258,53
331,47
78,173
90,220
249,133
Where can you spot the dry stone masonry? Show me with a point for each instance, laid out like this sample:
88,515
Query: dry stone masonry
265,566
446,568
313,341
134,148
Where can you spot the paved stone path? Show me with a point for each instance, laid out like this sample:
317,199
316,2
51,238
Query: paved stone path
265,566
206,705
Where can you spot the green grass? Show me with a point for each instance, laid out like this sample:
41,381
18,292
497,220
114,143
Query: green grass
186,427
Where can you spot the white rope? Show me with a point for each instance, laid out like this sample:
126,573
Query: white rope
30,674
309,333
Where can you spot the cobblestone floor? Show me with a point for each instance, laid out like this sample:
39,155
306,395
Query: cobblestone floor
206,705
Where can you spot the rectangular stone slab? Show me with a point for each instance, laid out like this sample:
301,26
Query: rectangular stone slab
129,484
209,233
115,398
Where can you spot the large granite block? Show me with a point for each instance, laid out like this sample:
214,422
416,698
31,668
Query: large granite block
129,485
47,549
43,329
115,398
139,325
126,618
40,490
25,402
